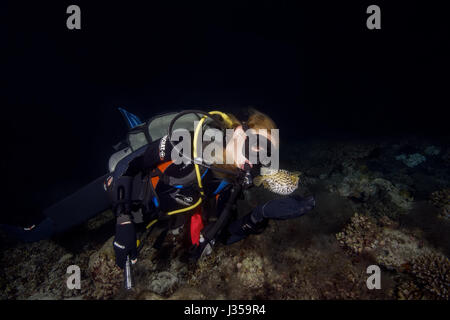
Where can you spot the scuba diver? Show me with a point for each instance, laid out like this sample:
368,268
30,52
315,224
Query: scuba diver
146,186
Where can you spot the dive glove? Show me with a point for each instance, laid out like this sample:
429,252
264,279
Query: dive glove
284,208
244,227
279,209
125,241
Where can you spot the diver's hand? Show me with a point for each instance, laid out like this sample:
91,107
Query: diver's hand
284,208
243,227
125,242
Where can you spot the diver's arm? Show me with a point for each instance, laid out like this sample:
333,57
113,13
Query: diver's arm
278,209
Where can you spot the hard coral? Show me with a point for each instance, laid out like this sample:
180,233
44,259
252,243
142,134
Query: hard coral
433,272
391,248
441,200
409,291
359,235
106,275
250,272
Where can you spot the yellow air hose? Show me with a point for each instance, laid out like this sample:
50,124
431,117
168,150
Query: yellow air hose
228,124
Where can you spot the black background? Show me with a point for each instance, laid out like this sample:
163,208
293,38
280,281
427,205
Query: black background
313,66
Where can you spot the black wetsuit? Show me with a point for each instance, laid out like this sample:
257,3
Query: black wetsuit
131,174
133,190
177,187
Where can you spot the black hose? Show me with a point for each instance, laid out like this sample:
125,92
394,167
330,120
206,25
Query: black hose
211,233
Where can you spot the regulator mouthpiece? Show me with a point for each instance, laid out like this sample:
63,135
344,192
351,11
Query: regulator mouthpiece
248,180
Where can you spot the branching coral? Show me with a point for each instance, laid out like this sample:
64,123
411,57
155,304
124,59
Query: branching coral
409,291
106,275
359,235
389,247
441,200
399,250
433,272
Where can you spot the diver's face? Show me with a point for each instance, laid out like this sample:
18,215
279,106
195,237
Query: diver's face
240,152
237,144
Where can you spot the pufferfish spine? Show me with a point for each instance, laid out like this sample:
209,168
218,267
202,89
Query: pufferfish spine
282,182
280,188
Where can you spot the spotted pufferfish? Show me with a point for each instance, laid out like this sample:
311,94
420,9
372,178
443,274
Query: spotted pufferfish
280,181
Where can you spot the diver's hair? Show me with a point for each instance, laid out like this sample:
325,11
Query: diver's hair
256,120
234,121
224,165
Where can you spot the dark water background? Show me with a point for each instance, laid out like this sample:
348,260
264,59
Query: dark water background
315,68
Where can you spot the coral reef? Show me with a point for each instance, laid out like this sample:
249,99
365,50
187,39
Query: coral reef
391,248
432,271
441,200
107,277
39,271
408,290
250,271
446,156
400,197
323,255
432,150
398,250
359,235
379,193
411,160
163,283
100,220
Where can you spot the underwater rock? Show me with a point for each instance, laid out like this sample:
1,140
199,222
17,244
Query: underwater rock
100,220
432,151
441,200
163,283
446,156
396,248
107,277
216,274
65,257
356,185
187,293
400,198
148,295
411,160
32,270
363,187
42,296
357,150
250,271
349,151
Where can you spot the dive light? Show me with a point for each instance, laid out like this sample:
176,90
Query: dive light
127,274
